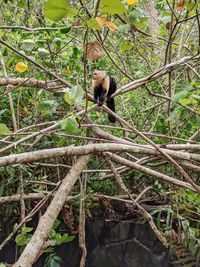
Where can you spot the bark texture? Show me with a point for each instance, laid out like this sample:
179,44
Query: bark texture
46,222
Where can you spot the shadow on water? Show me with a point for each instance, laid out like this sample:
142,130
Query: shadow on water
109,245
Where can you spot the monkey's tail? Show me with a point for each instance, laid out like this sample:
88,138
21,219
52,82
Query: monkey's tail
111,105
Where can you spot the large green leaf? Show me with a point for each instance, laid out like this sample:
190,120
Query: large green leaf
43,53
70,126
57,9
4,129
47,106
28,45
125,46
21,240
93,24
112,6
74,95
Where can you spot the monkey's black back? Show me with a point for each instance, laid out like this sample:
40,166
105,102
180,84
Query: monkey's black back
110,101
112,87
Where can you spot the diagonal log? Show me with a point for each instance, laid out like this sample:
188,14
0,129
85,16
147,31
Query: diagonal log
150,172
34,247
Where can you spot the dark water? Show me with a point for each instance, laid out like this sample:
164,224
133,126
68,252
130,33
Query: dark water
108,245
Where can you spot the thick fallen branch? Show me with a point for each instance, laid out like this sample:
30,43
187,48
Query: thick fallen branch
14,198
163,71
30,196
46,222
52,86
148,171
157,147
90,149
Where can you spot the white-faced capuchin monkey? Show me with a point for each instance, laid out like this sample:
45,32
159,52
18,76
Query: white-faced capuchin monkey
104,86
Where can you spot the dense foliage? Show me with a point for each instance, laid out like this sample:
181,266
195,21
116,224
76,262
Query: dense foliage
48,51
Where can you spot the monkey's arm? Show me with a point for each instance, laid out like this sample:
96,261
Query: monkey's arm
102,97
105,89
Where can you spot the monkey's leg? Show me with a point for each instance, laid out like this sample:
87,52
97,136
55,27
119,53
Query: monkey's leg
111,105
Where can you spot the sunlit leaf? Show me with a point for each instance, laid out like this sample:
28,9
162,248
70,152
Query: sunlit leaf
74,95
185,102
132,2
103,22
125,46
76,92
68,99
112,7
97,114
21,67
4,129
70,126
57,9
93,24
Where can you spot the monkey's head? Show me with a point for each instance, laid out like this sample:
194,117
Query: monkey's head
98,75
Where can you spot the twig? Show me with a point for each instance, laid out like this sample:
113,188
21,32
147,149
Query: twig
144,213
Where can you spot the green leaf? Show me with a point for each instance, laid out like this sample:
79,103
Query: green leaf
70,126
43,53
93,24
65,30
26,230
21,240
57,9
65,239
56,224
57,40
4,129
68,99
126,46
112,6
47,106
185,102
180,96
54,263
74,95
196,96
28,45
2,265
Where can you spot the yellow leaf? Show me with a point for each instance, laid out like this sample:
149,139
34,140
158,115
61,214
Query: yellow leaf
103,22
132,2
97,114
21,67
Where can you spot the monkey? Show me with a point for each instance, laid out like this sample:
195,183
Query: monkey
104,86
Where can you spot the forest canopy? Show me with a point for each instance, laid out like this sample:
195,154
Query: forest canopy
61,157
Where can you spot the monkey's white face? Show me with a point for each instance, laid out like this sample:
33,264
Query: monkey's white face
98,75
